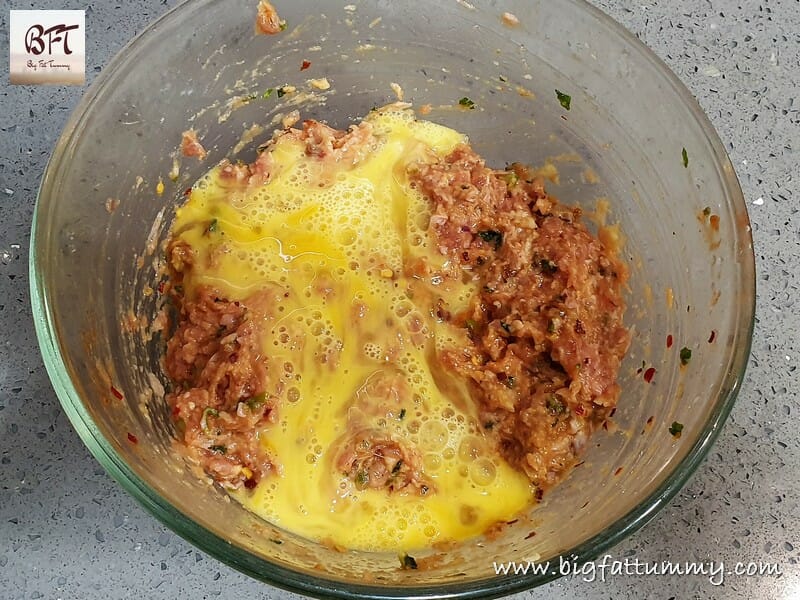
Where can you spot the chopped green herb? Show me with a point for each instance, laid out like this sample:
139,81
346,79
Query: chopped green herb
208,412
495,238
218,449
470,324
564,99
552,326
362,480
555,406
402,414
503,79
685,156
408,562
511,179
268,93
211,227
256,401
509,382
506,327
397,466
488,425
276,541
686,355
281,92
676,429
284,25
488,289
706,211
467,103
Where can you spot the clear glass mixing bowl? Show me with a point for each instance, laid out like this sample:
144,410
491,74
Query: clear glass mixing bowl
93,266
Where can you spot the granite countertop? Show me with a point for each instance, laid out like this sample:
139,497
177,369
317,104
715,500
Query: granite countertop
68,531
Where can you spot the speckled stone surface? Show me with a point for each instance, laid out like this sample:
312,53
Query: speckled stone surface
68,531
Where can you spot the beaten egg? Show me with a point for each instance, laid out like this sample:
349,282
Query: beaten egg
349,336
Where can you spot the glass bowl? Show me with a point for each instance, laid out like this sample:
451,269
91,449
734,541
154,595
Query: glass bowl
632,135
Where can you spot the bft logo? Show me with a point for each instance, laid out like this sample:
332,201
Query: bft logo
36,36
47,46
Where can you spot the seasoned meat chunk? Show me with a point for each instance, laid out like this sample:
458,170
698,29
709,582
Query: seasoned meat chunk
220,399
546,331
373,460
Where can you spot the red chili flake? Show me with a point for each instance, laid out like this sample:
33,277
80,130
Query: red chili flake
117,394
669,341
161,285
579,410
650,421
618,471
250,483
176,411
187,191
712,337
648,375
132,438
305,65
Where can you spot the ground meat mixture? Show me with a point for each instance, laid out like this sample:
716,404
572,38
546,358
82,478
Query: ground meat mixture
322,141
219,401
368,455
373,460
546,332
267,19
191,146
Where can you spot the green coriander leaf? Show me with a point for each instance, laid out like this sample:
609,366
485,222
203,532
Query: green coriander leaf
676,429
492,237
467,103
555,406
686,355
362,480
564,99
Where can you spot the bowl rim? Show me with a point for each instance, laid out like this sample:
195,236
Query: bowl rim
295,581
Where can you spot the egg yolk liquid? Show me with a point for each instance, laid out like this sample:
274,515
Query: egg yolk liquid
350,340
